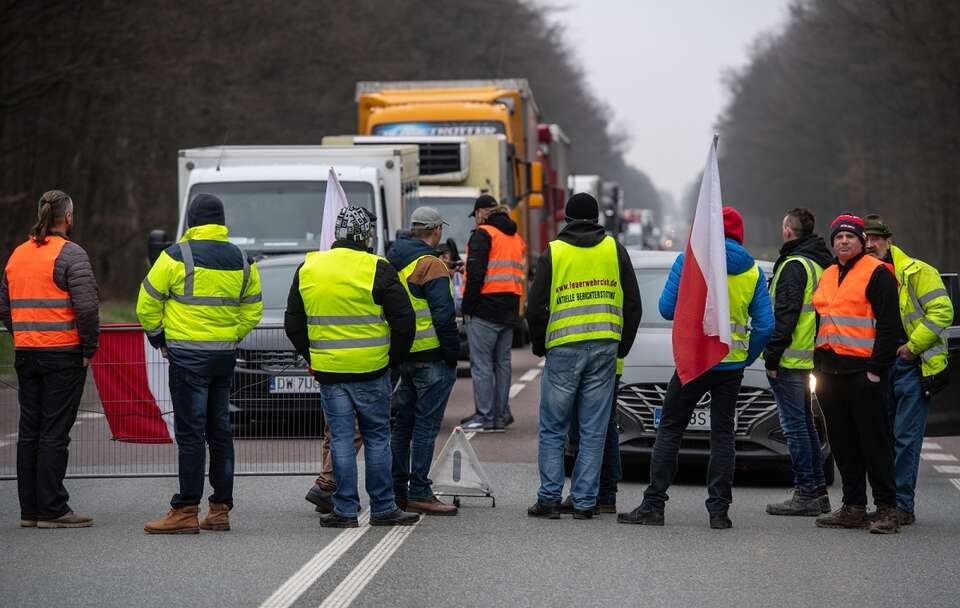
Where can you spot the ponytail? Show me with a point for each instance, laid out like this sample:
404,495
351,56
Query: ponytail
53,208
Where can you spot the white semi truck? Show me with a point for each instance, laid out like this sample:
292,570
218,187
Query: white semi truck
273,195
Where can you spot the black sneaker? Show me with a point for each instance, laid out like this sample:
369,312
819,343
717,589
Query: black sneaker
475,426
566,507
508,420
641,516
545,510
720,521
321,498
583,513
395,518
798,504
332,520
467,419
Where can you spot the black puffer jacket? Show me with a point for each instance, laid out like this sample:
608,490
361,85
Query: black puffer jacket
72,273
788,299
582,234
497,307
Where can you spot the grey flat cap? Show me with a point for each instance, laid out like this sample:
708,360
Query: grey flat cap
428,217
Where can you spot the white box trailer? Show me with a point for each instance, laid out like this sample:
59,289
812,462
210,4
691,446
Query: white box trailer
273,195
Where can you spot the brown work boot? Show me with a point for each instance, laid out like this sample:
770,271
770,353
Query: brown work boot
217,519
69,520
430,506
176,521
847,516
886,521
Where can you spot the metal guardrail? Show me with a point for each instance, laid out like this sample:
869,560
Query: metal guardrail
125,424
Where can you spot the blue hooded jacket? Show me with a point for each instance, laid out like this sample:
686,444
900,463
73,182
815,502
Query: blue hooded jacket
761,311
437,294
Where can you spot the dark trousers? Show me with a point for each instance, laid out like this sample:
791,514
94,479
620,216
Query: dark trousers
858,429
201,418
51,385
611,469
678,406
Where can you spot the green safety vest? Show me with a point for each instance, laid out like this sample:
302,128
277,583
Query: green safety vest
740,289
799,354
426,337
586,298
347,331
925,309
200,308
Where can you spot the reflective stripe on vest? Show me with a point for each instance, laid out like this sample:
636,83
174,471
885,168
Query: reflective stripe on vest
346,328
799,354
934,359
586,298
740,289
847,324
426,336
42,313
189,298
505,262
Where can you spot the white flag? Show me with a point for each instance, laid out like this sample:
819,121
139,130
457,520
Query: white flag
334,200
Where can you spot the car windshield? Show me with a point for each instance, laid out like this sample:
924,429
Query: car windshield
279,216
651,282
275,284
455,211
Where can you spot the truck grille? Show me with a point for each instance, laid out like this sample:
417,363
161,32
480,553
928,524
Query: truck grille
440,159
271,361
640,400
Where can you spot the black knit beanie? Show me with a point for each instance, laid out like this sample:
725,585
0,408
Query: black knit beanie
582,206
205,209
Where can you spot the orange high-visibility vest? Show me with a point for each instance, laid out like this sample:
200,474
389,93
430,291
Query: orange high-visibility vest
847,323
42,313
505,264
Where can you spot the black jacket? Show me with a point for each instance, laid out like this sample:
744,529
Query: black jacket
72,273
496,307
882,294
432,284
388,292
789,296
582,234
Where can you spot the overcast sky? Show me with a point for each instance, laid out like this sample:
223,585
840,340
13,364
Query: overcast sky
659,64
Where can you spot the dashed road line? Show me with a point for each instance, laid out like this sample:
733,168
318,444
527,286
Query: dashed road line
13,435
930,445
947,469
937,457
531,375
956,483
355,582
4,444
89,415
543,363
515,389
303,579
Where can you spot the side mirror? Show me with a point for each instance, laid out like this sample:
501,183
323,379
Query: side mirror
157,242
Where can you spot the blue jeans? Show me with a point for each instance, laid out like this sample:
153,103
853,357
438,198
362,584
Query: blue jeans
201,418
907,409
578,382
791,388
490,368
367,405
611,469
420,403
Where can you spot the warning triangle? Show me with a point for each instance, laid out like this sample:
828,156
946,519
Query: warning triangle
457,470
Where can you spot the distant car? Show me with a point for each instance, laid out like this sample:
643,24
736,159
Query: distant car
271,380
760,442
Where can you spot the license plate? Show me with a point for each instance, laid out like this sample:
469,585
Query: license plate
293,384
699,419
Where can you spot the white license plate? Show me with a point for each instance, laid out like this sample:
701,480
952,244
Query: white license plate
699,419
293,384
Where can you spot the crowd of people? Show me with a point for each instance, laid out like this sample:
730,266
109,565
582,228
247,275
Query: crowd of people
379,333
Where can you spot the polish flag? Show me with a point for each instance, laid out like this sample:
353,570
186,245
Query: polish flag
334,200
701,322
132,381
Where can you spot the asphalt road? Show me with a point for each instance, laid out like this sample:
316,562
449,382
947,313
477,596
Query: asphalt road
277,555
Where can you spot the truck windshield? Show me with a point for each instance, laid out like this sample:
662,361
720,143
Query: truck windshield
454,210
279,216
456,128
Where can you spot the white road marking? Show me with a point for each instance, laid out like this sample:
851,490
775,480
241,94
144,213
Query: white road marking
949,469
4,444
936,456
543,363
929,445
956,483
531,375
355,582
515,389
14,435
290,591
89,415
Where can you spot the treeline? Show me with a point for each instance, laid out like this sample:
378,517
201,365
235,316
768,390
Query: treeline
855,106
96,97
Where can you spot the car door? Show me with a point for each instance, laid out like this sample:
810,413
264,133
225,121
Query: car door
944,417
